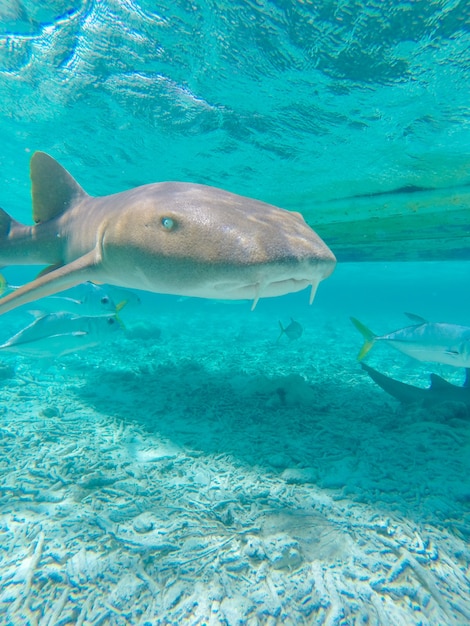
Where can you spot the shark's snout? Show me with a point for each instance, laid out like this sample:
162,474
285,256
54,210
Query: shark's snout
201,241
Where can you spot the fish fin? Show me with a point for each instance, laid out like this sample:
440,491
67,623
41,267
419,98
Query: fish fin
66,299
53,189
3,284
7,223
467,378
117,317
37,313
283,330
49,269
403,392
369,337
75,333
440,383
57,280
8,226
416,318
119,321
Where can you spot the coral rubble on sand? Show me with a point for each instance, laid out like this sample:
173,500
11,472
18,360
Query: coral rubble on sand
175,485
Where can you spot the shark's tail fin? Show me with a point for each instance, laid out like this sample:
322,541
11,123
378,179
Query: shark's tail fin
9,229
7,223
369,338
283,330
5,220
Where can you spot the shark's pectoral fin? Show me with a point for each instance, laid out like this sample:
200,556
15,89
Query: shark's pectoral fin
64,277
440,383
408,394
49,269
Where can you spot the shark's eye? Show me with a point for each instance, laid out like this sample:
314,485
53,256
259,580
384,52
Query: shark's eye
168,223
104,300
111,321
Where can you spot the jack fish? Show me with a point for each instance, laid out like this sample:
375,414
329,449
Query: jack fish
424,341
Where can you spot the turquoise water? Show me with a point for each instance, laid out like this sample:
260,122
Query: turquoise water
198,470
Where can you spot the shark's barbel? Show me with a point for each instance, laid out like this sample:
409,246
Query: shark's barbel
173,238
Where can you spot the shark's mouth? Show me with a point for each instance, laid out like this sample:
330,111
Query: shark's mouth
270,284
255,291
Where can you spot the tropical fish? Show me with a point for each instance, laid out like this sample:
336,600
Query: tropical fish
86,299
175,238
293,330
56,334
91,299
425,341
123,297
439,391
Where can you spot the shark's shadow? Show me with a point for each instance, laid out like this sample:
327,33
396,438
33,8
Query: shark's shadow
340,437
440,390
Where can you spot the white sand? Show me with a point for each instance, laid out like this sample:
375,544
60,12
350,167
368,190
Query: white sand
215,476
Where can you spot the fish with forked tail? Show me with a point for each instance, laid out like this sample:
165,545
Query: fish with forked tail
293,330
174,238
448,344
86,299
56,334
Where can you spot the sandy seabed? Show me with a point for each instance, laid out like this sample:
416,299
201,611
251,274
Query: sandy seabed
199,472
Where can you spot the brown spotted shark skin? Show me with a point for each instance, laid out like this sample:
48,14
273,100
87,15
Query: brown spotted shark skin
172,238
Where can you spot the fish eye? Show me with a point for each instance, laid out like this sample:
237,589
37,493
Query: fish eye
111,321
168,223
104,300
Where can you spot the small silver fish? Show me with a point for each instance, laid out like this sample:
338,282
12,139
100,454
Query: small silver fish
85,299
56,334
124,297
424,341
294,330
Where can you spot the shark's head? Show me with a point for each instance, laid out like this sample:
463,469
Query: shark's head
175,238
195,240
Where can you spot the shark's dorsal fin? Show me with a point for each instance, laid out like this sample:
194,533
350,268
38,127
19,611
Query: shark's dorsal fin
53,189
416,318
439,383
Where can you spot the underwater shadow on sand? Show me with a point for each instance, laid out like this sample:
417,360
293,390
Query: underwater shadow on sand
343,437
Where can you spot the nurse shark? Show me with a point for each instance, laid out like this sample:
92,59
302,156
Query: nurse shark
171,237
